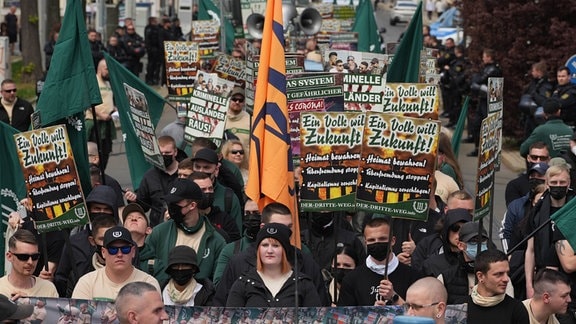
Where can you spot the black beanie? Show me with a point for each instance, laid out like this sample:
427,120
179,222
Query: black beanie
280,232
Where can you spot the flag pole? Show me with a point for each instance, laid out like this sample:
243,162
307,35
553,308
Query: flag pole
96,130
527,237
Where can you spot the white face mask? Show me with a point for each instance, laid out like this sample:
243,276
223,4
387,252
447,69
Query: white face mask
573,149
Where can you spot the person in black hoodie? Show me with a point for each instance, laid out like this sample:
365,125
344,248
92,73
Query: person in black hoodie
78,256
183,289
443,246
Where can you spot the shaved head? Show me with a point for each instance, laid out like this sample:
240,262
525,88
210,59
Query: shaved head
430,288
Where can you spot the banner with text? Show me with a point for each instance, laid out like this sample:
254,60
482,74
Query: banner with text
397,165
206,33
206,116
181,68
490,134
51,179
62,310
143,126
330,145
418,100
311,92
230,68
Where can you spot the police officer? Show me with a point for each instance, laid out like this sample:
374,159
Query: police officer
565,94
135,49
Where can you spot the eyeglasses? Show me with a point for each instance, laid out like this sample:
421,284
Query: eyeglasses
237,99
26,257
10,90
113,250
539,157
417,307
237,152
340,65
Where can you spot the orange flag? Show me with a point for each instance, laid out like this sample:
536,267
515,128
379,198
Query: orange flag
271,172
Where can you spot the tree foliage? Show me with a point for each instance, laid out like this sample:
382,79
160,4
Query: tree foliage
521,32
30,41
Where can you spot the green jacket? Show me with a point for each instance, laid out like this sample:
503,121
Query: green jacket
554,133
162,240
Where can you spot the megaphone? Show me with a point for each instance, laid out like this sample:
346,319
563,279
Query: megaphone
310,21
255,25
288,13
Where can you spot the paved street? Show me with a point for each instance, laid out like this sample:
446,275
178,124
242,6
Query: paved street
118,167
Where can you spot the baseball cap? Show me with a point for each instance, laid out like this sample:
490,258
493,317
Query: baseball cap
539,167
12,311
469,231
207,155
181,254
183,189
117,233
134,207
456,215
237,91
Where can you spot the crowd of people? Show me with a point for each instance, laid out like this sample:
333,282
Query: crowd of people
189,236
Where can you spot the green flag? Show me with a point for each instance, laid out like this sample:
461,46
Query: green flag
12,186
119,78
366,27
406,62
565,221
71,86
457,135
208,10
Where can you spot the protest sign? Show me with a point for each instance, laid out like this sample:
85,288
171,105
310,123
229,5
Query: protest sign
206,116
143,126
206,33
52,183
419,100
330,152
311,92
490,135
231,69
181,67
396,166
495,106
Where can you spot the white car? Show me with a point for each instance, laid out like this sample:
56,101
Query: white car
402,12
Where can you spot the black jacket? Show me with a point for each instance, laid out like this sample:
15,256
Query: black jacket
20,115
323,244
249,291
224,224
153,187
245,261
206,293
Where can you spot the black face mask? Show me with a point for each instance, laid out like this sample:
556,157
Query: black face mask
182,277
93,216
318,221
558,192
339,274
252,226
534,182
207,201
168,159
378,250
175,212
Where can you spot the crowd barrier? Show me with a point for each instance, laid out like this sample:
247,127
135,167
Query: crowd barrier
75,311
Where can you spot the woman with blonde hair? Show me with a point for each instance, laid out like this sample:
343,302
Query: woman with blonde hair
233,151
447,162
273,283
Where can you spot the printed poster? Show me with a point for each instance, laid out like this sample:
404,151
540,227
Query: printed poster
51,178
418,100
181,68
143,126
397,163
206,33
488,152
206,116
329,157
311,92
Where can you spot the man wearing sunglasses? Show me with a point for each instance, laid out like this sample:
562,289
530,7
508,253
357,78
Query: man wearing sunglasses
20,282
105,283
238,121
13,110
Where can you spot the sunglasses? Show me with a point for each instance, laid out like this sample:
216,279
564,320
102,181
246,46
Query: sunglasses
10,90
25,257
237,152
237,99
539,157
251,212
113,250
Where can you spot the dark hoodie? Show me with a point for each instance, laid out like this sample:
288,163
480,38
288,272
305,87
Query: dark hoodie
437,243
